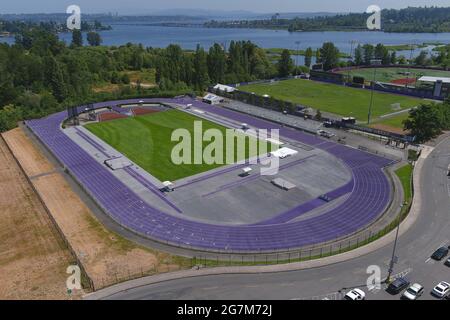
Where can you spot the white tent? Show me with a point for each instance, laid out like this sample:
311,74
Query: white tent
224,88
283,153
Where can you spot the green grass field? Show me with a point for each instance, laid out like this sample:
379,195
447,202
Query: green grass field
395,122
405,175
146,140
340,100
390,74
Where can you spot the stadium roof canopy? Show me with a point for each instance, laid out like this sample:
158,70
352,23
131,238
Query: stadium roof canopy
223,87
435,79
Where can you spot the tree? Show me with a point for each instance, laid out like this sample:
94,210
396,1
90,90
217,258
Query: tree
424,122
54,78
393,57
359,55
382,53
330,55
421,59
94,39
282,105
201,78
77,38
369,53
308,57
401,60
285,65
125,79
217,64
318,115
318,57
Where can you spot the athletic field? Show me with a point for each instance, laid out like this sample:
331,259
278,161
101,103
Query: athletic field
336,99
146,140
395,75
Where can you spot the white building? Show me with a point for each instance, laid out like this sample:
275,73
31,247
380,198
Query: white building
224,88
212,99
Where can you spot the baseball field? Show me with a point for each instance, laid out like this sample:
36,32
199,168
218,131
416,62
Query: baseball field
336,99
395,75
146,140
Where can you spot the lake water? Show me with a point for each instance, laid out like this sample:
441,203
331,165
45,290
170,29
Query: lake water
189,37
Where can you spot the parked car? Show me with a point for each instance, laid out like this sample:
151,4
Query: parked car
413,292
447,262
398,285
325,134
327,124
440,254
355,294
442,290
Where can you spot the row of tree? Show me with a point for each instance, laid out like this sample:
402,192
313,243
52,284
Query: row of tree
93,38
420,19
40,74
19,26
244,61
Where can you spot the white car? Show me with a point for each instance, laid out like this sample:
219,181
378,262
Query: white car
325,134
441,290
413,292
355,294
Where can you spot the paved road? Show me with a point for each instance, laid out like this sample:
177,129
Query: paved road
430,231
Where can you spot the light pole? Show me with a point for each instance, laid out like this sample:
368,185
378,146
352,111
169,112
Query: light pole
394,258
353,42
296,57
373,62
409,63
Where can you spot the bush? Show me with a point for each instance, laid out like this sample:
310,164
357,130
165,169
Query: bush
358,80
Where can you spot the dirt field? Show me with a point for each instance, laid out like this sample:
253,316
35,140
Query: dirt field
32,161
107,116
404,81
106,257
138,111
33,258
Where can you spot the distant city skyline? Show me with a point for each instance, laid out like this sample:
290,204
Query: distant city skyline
257,6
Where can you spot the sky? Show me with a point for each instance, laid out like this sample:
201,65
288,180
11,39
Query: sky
262,6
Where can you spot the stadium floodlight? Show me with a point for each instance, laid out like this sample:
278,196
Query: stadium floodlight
296,56
373,62
412,46
352,43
